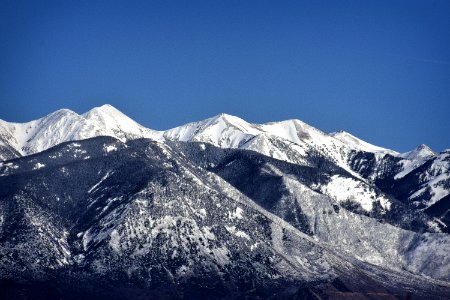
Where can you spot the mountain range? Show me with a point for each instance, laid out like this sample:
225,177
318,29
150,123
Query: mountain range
98,206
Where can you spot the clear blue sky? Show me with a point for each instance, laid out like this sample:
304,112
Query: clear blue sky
378,69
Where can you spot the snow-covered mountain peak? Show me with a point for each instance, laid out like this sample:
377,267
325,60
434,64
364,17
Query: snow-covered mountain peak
293,130
357,144
117,124
425,149
40,134
107,107
227,131
229,120
61,115
226,116
415,158
421,152
61,112
222,130
66,125
105,110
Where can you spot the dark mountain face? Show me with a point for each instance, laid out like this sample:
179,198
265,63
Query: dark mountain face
416,189
99,218
7,152
261,179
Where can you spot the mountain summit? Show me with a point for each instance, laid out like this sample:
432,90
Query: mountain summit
65,125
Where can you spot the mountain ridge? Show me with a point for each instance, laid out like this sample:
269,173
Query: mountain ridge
290,140
109,109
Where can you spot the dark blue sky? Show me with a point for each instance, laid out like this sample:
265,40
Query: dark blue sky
378,69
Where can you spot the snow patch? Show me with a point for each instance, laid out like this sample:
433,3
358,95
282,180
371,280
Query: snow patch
109,173
343,189
237,214
38,166
114,241
110,148
238,233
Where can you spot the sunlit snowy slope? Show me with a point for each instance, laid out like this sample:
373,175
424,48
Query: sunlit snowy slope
65,125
